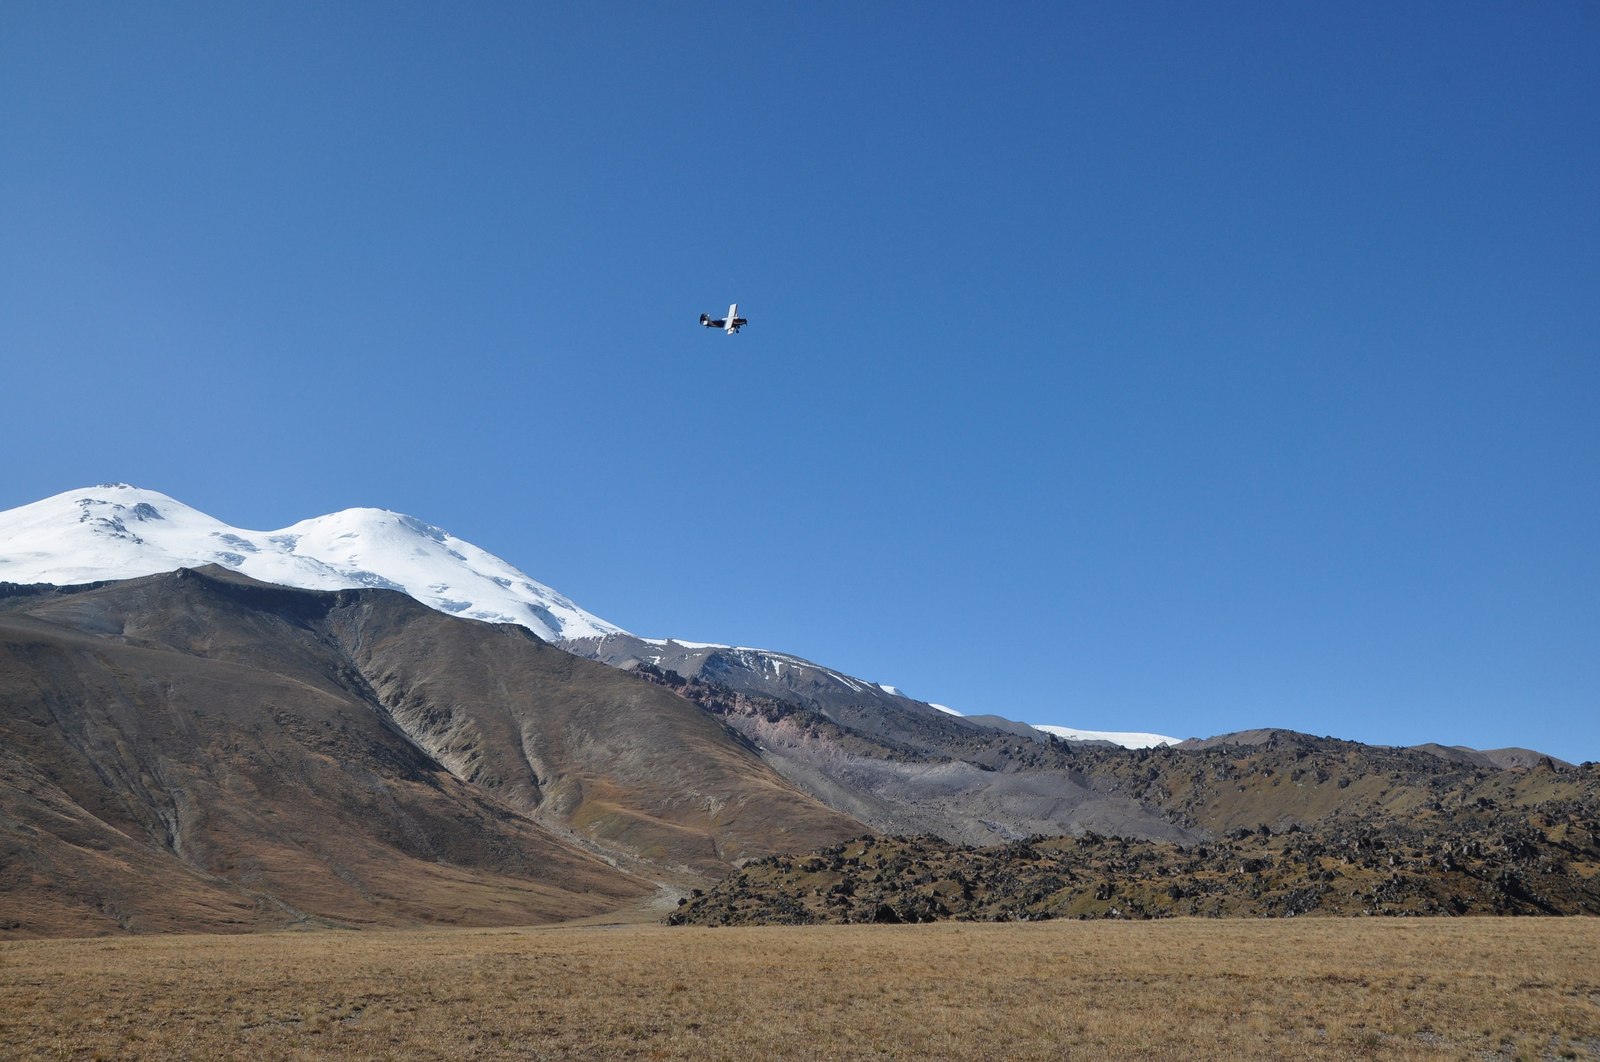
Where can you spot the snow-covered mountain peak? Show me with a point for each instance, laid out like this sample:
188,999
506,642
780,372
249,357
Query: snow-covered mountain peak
118,531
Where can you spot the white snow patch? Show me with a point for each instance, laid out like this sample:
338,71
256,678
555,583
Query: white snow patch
1126,740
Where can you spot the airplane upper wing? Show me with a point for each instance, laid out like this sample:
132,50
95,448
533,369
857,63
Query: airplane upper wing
730,324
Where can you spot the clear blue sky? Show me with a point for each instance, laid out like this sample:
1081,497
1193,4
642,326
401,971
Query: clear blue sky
1171,367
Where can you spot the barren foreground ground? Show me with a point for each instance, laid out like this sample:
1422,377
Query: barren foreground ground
1319,988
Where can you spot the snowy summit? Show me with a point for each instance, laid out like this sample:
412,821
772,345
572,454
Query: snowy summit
115,531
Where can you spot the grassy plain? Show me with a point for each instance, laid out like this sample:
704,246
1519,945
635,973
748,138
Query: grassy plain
1299,988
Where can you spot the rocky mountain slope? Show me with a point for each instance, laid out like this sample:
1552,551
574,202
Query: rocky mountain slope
901,766
904,768
1291,824
197,750
1524,842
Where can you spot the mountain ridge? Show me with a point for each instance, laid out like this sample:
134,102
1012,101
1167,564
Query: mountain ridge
116,531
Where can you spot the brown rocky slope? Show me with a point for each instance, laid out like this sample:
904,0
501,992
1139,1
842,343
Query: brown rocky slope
197,751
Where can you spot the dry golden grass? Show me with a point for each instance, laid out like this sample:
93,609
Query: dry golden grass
1325,988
